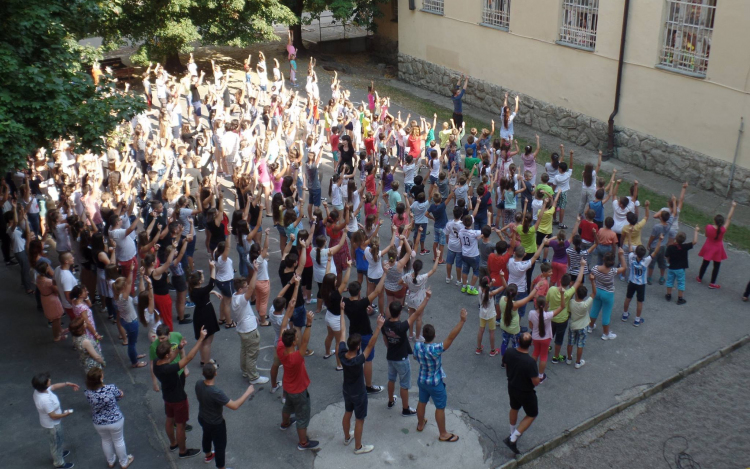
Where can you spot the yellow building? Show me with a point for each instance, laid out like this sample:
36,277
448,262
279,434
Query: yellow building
685,78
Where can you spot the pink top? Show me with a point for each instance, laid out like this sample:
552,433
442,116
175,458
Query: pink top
277,183
263,175
529,163
371,209
398,222
371,102
713,249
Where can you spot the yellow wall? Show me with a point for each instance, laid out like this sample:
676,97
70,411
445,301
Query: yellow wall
702,114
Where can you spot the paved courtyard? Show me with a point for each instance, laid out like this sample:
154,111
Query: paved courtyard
672,338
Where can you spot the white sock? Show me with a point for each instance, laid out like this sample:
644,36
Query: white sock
512,429
514,436
541,376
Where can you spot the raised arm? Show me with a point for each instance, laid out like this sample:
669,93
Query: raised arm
418,313
456,330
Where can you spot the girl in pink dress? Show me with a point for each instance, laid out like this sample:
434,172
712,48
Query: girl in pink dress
713,248
51,305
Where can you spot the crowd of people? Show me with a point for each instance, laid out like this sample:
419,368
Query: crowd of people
117,233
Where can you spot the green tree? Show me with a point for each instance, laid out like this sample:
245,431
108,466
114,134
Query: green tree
45,91
165,28
357,12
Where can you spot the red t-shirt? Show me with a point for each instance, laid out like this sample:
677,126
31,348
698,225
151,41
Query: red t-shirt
308,259
334,142
585,228
369,145
295,378
496,263
370,184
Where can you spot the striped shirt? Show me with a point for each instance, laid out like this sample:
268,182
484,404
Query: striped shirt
430,363
574,260
638,269
605,279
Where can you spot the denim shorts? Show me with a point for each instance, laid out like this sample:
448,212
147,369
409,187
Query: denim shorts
314,197
454,255
439,237
433,180
281,231
408,186
423,235
470,263
226,288
577,337
299,317
437,393
363,345
676,276
402,370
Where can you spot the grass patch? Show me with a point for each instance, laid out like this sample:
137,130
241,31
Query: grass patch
738,236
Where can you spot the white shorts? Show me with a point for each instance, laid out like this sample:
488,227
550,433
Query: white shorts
333,321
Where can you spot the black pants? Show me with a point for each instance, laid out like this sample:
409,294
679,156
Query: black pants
4,238
458,120
747,291
216,434
714,271
530,272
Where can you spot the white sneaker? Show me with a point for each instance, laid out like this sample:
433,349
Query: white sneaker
459,283
590,329
277,387
580,363
260,380
364,449
612,336
349,440
420,339
448,279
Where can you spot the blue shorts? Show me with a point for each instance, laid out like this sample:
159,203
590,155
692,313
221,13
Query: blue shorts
470,263
226,288
363,345
676,276
437,393
423,235
314,197
479,223
433,180
402,370
356,404
454,255
439,237
408,186
281,231
299,316
190,249
197,107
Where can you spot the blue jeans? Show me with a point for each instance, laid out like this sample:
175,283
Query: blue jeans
509,340
520,296
131,329
55,435
34,223
244,268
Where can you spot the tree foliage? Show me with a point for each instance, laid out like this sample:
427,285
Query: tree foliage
163,28
45,91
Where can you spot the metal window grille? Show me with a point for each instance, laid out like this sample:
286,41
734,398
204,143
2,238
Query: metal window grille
436,6
579,22
496,13
687,35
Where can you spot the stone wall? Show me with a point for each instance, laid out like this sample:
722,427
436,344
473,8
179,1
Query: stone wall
633,147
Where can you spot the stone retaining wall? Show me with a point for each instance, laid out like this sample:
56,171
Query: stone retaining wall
633,147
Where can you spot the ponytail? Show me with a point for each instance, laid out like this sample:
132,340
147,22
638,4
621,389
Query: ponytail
541,303
417,267
485,284
510,294
317,255
719,221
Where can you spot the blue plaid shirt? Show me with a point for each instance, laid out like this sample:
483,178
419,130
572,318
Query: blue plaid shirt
430,363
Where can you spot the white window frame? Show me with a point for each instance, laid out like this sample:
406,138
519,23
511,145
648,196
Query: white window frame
686,38
496,14
434,6
579,23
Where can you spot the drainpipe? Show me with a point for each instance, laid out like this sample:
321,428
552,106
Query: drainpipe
621,61
736,155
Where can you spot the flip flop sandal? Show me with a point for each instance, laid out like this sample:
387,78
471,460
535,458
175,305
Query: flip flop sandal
424,424
223,321
231,325
139,365
451,439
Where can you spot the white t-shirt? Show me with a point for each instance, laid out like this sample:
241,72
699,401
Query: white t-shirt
435,168
517,273
319,269
337,198
620,215
224,269
536,205
17,242
65,281
62,237
534,318
125,248
261,268
47,402
410,170
452,228
469,242
242,314
374,268
562,180
353,226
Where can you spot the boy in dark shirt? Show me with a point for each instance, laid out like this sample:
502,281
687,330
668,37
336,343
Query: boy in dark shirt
355,391
397,341
677,256
417,187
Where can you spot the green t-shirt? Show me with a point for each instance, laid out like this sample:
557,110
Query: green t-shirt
515,326
553,302
545,226
430,137
470,162
546,189
579,313
393,199
528,240
174,338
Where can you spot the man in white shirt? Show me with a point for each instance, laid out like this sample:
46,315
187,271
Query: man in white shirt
65,281
469,254
125,250
230,145
50,415
247,328
519,272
